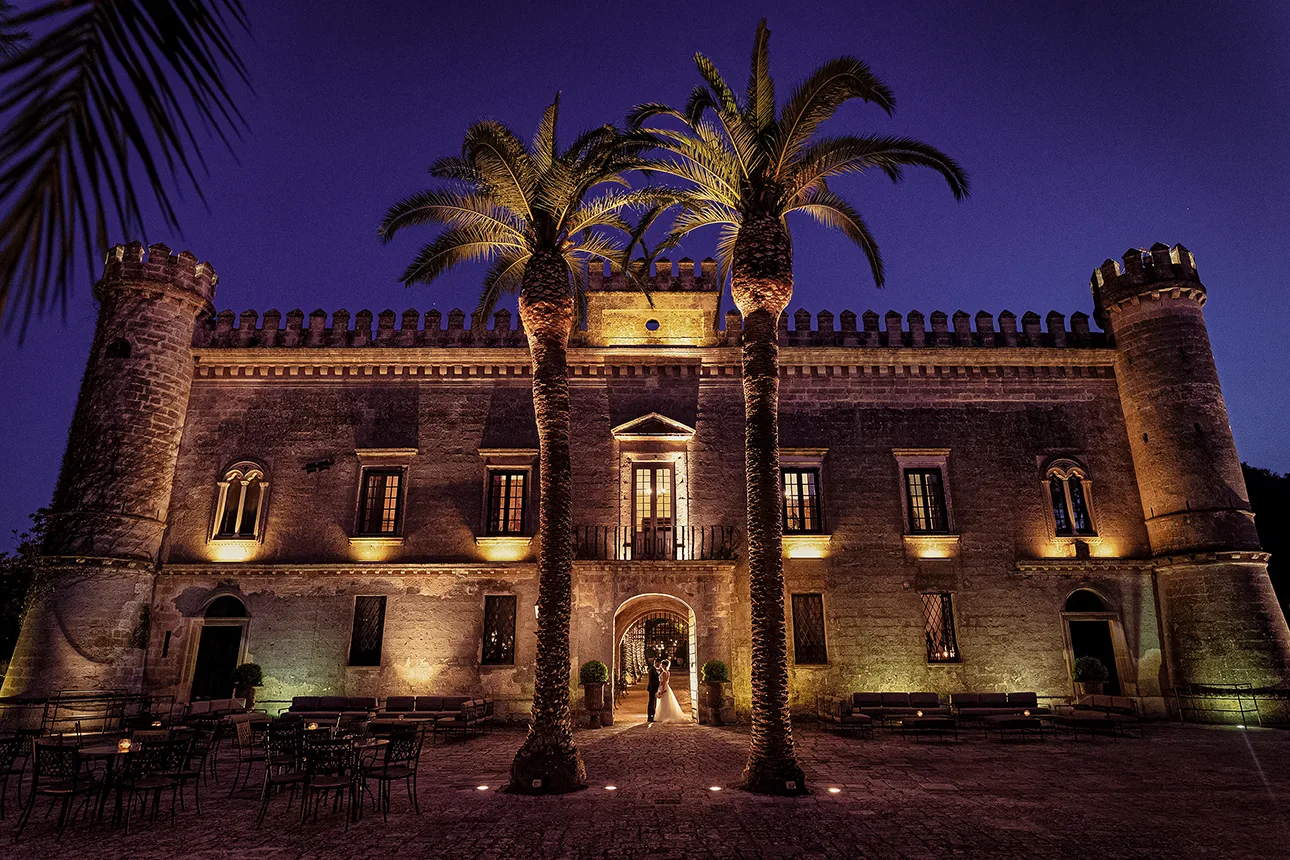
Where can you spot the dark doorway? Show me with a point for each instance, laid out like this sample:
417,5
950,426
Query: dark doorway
1092,638
217,653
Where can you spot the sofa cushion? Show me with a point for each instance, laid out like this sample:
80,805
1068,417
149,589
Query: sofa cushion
866,700
855,719
994,700
429,703
965,700
895,700
454,703
924,700
198,708
1023,700
362,703
400,703
332,703
304,703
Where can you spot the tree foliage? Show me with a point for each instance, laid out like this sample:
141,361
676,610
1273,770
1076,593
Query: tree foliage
507,200
1270,500
102,103
739,156
19,578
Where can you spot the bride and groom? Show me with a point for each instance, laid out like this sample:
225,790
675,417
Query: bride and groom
663,706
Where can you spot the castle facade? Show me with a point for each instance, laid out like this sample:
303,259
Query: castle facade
970,503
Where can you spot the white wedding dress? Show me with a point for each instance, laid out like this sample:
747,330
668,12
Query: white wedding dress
669,709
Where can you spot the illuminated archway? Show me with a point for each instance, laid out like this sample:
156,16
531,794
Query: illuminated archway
659,608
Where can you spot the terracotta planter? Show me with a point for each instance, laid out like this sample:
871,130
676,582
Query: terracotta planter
247,693
1090,688
716,704
594,699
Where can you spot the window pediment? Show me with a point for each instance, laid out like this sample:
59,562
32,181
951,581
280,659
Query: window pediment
653,427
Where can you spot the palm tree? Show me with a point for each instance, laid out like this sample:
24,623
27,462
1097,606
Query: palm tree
745,165
101,100
540,214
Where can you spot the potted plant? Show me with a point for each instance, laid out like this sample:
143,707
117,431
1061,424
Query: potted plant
716,683
246,678
593,676
1091,674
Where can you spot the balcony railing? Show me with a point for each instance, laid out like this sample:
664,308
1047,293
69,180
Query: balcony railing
678,543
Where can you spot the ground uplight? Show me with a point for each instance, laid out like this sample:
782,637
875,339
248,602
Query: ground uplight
481,788
611,788
835,791
714,788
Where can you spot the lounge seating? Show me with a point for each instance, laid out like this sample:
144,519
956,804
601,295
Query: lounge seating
207,709
839,713
473,715
975,706
325,709
880,706
1105,714
427,708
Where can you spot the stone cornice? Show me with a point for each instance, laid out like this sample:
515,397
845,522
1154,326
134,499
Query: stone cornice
304,363
1085,565
1242,556
501,568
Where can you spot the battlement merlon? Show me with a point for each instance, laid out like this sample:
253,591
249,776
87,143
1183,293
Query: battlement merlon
1146,271
132,264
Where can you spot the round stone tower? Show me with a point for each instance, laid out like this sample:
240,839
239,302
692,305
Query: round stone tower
89,623
1221,620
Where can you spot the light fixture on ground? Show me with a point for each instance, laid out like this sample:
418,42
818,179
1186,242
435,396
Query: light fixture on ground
611,788
481,788
835,791
714,788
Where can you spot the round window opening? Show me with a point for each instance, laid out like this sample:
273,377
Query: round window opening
652,325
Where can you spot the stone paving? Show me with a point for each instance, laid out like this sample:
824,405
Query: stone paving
1178,792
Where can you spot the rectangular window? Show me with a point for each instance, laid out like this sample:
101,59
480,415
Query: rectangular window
802,501
506,496
499,630
938,632
369,631
808,630
380,506
925,493
1061,511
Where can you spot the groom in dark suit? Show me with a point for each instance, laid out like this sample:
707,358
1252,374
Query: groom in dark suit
653,689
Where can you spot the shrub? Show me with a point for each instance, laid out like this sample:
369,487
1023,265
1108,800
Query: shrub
593,672
714,671
248,675
1091,670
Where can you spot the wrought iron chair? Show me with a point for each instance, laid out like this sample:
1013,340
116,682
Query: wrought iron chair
329,769
197,763
59,774
283,763
250,749
12,749
396,761
152,766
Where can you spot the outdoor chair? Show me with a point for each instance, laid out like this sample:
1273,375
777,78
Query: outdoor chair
197,763
152,767
329,770
396,761
250,749
12,749
57,773
283,764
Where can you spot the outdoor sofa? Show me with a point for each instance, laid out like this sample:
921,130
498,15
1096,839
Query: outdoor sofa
839,713
975,706
321,709
881,706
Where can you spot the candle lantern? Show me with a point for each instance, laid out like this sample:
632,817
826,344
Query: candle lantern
123,745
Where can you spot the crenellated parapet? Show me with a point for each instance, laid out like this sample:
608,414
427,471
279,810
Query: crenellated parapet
937,330
1153,272
133,264
411,328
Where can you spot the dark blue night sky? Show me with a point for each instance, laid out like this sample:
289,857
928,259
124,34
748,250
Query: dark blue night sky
1086,128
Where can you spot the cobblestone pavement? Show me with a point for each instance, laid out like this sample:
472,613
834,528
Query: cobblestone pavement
1179,792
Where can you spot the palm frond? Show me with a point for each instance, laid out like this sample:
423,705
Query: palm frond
449,208
837,81
455,246
107,90
503,164
503,278
544,148
835,156
830,209
760,100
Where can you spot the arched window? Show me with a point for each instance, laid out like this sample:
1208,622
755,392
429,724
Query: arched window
1068,491
1084,600
240,506
119,348
227,606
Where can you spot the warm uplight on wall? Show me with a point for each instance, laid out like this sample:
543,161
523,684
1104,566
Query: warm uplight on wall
375,548
503,548
416,674
807,546
229,551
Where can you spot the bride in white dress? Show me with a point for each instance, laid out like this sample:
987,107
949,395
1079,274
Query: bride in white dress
669,709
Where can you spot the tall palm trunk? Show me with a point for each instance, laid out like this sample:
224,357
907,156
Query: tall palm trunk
762,285
548,762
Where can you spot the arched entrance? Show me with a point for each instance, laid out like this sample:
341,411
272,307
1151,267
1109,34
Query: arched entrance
1093,630
649,627
219,648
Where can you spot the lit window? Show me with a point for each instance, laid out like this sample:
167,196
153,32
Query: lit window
808,630
240,503
380,504
938,630
925,498
802,501
1068,491
369,631
506,502
499,630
